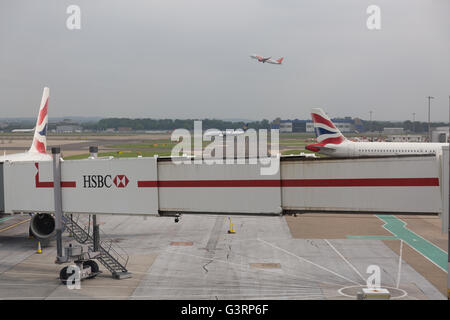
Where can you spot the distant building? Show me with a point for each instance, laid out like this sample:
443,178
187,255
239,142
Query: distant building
276,123
286,126
406,138
124,129
393,131
344,125
440,134
68,129
358,125
299,125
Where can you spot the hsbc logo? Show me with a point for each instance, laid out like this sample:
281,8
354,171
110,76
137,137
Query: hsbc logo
121,181
105,181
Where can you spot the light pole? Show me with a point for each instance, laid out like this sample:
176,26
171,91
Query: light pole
429,125
371,125
414,122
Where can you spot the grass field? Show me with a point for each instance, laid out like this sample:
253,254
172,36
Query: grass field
121,154
150,145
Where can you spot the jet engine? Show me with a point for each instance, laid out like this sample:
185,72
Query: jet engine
42,225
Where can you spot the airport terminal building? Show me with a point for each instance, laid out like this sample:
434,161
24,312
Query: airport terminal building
346,124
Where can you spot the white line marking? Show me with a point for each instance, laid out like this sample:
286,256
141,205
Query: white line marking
399,264
346,261
253,271
306,260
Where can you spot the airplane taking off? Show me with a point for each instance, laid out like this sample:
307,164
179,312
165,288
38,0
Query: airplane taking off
39,145
268,60
333,143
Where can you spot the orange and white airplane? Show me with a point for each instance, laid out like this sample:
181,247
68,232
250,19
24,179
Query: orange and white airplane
268,59
330,141
37,152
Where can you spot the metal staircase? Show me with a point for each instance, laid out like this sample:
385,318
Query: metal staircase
108,255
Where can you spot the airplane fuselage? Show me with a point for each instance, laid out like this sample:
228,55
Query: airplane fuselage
360,149
26,156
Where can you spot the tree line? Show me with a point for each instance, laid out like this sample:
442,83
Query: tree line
170,124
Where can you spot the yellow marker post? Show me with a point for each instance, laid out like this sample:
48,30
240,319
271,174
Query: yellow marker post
231,230
39,250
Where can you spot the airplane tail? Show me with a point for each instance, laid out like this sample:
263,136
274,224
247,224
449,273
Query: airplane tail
280,60
40,134
326,131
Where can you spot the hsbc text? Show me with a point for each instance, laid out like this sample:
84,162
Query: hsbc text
97,181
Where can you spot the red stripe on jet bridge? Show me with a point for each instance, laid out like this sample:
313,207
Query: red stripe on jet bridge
147,184
209,183
369,182
49,184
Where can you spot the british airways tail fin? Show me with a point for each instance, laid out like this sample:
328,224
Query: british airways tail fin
324,128
40,134
326,131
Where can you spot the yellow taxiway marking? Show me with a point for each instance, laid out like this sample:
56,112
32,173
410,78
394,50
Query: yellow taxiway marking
14,225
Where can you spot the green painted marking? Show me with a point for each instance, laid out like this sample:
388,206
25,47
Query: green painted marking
4,219
397,227
372,237
433,253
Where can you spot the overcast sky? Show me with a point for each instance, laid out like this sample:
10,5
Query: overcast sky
190,58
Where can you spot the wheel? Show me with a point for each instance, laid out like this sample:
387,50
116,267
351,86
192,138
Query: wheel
63,275
93,265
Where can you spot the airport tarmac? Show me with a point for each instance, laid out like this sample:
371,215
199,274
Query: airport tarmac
314,256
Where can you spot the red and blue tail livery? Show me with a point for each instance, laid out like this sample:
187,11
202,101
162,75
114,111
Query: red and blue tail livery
325,130
39,145
40,134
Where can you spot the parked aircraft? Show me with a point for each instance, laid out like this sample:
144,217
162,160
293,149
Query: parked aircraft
23,130
42,225
330,141
227,132
37,151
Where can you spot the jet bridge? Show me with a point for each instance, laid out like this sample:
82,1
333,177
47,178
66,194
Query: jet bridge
152,186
